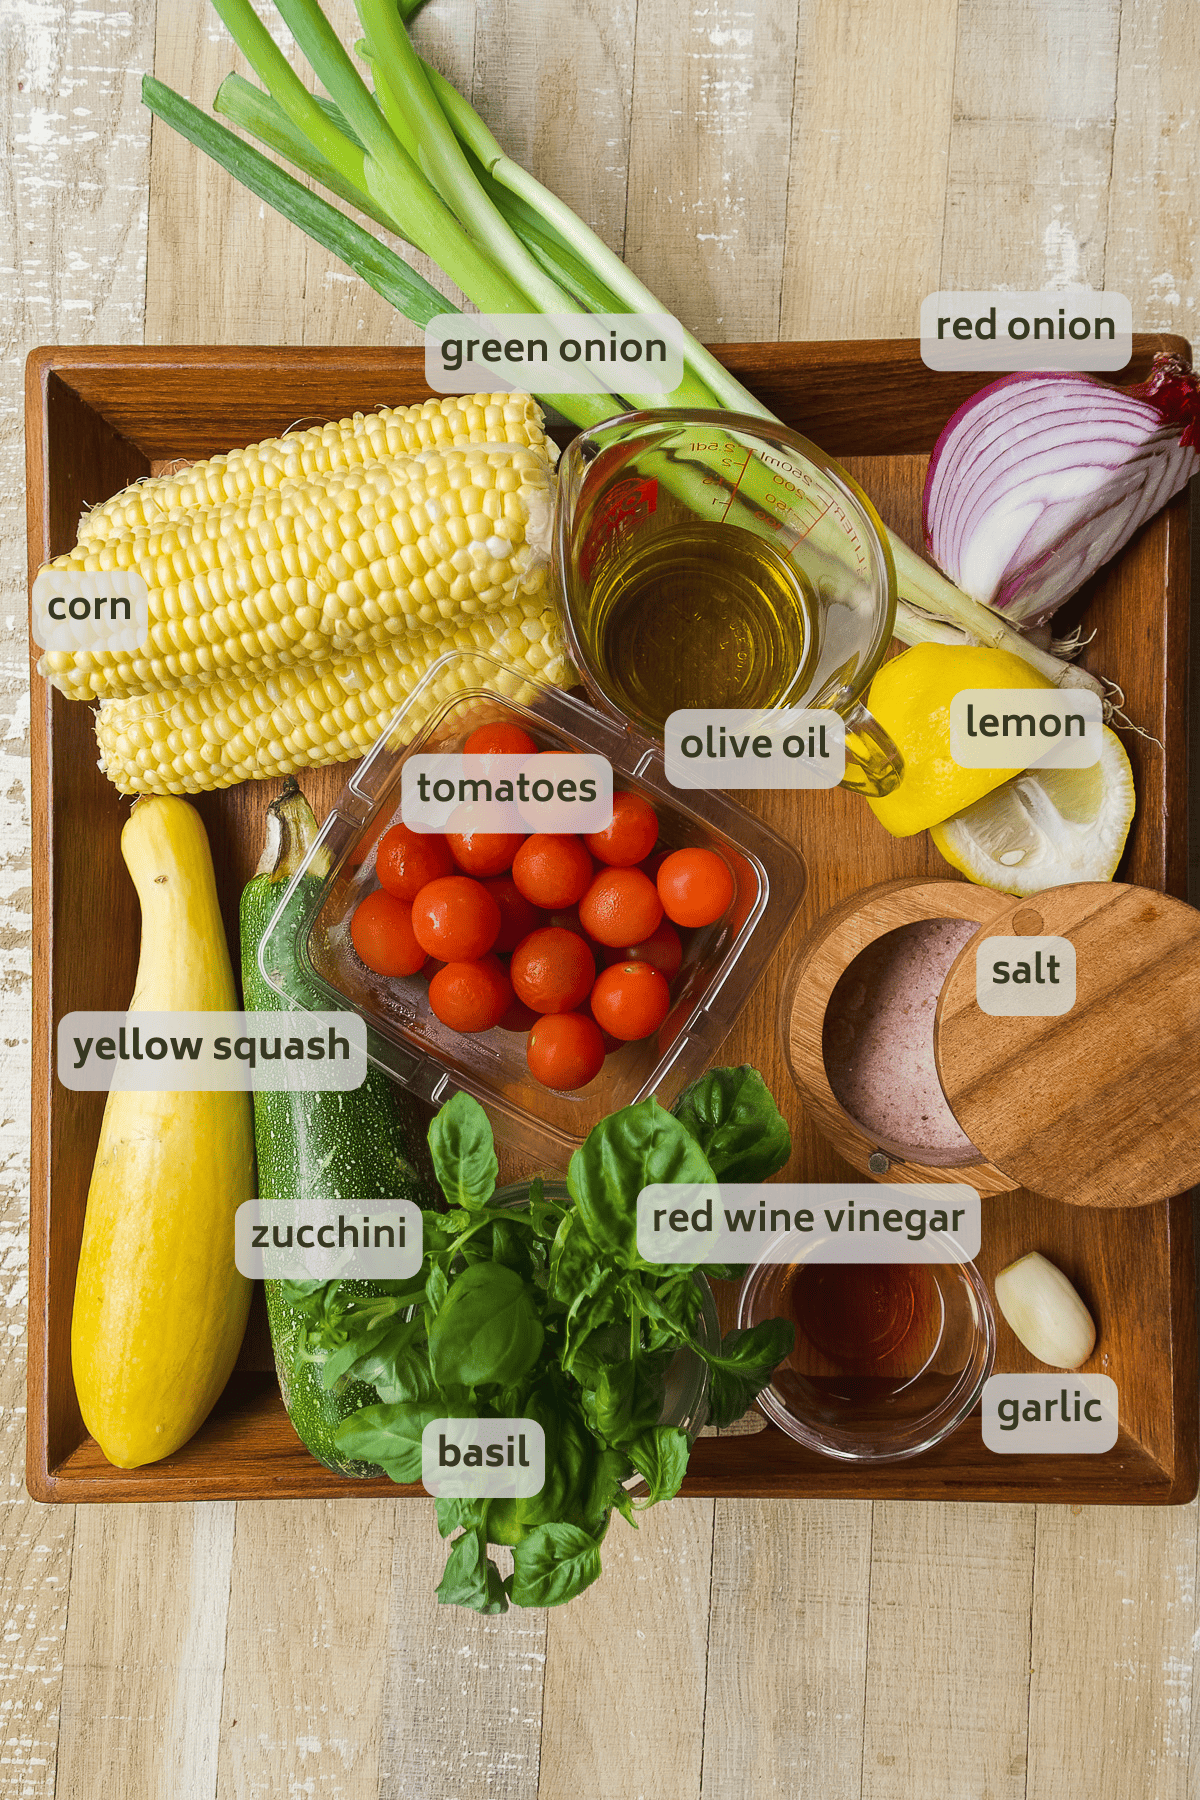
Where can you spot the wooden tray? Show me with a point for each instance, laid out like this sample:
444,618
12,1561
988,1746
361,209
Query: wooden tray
97,419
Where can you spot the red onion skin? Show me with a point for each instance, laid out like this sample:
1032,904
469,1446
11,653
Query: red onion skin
1170,398
1172,389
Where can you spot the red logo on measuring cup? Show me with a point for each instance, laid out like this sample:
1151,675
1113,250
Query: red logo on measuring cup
625,503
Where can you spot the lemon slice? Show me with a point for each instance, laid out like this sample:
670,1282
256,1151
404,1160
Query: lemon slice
1047,827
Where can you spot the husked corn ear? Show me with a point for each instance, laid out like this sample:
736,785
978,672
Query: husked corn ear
248,728
453,422
331,565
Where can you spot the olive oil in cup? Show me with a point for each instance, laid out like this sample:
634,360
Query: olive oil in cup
716,560
702,614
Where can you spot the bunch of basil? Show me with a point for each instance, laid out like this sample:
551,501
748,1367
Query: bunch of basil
548,1312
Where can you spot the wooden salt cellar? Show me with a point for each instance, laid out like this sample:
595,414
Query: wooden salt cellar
1099,1106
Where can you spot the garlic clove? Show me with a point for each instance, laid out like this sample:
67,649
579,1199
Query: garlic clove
1045,1312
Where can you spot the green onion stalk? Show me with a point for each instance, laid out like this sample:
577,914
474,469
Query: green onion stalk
413,157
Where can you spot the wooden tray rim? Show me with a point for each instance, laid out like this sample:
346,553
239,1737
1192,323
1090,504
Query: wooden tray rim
72,1481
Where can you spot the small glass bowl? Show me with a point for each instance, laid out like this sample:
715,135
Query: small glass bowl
828,1404
685,1401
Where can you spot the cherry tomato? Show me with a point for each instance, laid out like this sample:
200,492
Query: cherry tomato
552,869
382,933
484,852
518,916
620,908
552,970
695,886
631,836
630,1000
565,1051
406,860
663,950
455,919
500,739
568,918
471,996
519,1017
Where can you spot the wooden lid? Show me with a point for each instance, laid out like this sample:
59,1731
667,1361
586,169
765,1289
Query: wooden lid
1101,1105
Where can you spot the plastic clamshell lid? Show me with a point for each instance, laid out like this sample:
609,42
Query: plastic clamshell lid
1099,1106
307,944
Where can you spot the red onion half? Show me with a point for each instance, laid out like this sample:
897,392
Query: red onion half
1039,478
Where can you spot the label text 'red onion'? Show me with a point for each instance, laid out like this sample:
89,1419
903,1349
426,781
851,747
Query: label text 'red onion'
997,331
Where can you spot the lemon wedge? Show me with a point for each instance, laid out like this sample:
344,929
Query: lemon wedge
910,696
1046,828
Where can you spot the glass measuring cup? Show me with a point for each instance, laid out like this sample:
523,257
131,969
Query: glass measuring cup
712,559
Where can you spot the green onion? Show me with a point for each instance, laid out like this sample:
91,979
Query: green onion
441,155
417,159
380,267
259,114
583,244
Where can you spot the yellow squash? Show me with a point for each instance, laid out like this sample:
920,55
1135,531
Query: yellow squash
160,1308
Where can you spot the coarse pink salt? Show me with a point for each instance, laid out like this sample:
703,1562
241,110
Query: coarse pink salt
878,1040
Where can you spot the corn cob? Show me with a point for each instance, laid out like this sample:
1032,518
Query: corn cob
450,423
246,728
326,565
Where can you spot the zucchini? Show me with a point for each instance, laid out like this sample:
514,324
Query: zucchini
370,1144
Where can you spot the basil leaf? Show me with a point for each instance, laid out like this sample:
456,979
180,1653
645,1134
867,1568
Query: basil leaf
437,1286
599,1345
552,1565
340,1362
545,1216
464,1155
460,1515
661,1456
487,1329
471,1578
671,1308
612,1468
390,1354
575,1269
744,1366
627,1399
509,1246
440,1230
398,1368
733,1117
390,1436
296,1293
631,1149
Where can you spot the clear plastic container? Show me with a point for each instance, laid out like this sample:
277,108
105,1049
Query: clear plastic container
307,944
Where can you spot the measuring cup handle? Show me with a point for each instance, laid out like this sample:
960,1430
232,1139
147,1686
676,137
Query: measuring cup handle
874,766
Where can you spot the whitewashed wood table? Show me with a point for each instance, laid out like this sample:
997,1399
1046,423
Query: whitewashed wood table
771,169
